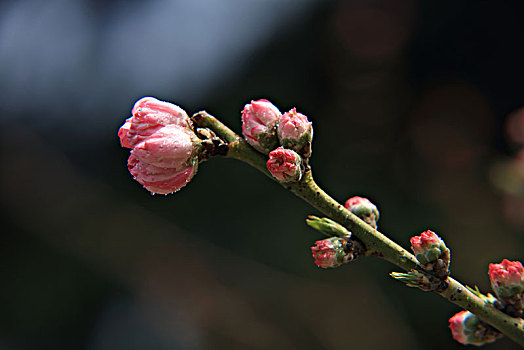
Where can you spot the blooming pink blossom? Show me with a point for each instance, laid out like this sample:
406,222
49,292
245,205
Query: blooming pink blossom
364,209
284,165
295,132
149,115
259,122
328,252
164,155
507,278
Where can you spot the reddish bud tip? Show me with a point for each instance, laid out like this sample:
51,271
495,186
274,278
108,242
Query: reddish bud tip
149,115
457,326
285,165
467,329
296,132
364,209
428,248
507,278
426,240
329,252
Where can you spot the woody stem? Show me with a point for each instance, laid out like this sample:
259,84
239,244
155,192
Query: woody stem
375,242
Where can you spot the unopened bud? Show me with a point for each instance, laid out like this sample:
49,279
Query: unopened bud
169,147
431,251
296,132
468,329
507,278
335,251
259,125
149,115
427,247
160,180
164,155
364,209
285,165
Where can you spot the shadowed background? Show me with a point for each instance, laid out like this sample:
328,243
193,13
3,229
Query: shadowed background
417,105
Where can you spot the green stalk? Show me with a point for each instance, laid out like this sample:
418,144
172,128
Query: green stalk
376,243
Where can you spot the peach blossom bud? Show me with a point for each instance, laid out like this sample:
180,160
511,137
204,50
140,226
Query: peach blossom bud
123,133
466,328
170,147
149,115
431,251
285,165
159,179
165,150
507,279
259,123
428,247
329,252
295,132
364,209
166,160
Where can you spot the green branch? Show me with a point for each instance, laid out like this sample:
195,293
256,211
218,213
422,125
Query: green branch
458,294
375,242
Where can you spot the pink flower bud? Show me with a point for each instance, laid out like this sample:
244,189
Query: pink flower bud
428,246
431,251
285,165
457,324
364,209
170,147
165,150
507,278
149,115
426,240
295,132
123,133
466,328
158,179
166,161
329,252
259,122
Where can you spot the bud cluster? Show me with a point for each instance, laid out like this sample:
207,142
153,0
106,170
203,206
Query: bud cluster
265,129
335,251
164,148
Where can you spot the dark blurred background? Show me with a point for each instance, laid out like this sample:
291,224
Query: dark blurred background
417,105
